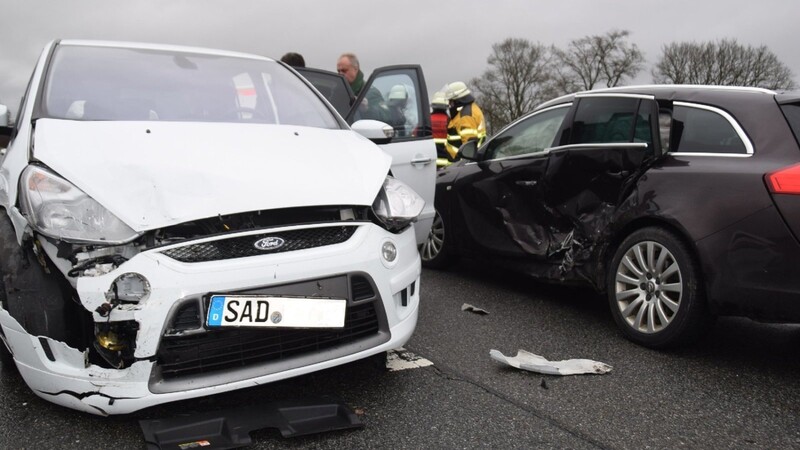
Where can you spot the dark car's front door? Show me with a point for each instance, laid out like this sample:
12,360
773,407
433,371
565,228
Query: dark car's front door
499,196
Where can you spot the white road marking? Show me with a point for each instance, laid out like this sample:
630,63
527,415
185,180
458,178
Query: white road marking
402,359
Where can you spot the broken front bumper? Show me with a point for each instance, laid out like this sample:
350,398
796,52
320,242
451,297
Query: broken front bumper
171,361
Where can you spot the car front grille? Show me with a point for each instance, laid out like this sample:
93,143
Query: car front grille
188,349
240,347
242,246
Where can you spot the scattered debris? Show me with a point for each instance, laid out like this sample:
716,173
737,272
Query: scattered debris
402,359
473,309
535,363
543,384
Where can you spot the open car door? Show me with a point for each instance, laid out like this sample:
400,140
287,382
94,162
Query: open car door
397,96
403,98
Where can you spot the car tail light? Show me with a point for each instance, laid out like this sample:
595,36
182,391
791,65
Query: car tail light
785,180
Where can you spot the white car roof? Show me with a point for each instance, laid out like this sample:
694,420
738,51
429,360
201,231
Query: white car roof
154,46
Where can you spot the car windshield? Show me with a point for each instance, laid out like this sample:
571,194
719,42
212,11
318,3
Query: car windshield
112,83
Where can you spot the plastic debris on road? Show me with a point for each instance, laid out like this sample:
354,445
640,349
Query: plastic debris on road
473,309
402,359
528,361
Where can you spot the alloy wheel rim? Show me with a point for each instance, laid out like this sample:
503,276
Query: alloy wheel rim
648,287
433,245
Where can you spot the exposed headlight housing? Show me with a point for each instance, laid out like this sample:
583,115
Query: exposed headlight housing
397,205
129,287
58,209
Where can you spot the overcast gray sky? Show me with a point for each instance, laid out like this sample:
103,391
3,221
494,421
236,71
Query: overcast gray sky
450,39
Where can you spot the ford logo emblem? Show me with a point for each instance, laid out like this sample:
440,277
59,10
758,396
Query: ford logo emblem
269,243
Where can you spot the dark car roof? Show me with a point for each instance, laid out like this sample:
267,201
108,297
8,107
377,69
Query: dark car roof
690,93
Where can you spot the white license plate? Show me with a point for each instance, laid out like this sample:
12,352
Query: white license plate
273,312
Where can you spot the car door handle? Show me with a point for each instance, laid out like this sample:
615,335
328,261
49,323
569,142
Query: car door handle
526,183
422,161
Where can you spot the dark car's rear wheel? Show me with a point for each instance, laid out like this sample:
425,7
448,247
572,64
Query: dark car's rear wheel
436,252
655,291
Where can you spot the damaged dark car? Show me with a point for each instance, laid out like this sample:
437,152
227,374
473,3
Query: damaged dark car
679,202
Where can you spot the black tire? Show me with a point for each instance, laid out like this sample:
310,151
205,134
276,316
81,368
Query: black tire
437,252
655,290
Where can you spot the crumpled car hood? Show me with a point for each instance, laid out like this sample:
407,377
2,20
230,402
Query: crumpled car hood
156,174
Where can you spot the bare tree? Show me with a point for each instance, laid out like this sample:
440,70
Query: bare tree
601,59
514,82
725,62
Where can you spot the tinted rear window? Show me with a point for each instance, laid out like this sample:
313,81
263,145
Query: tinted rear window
696,130
792,113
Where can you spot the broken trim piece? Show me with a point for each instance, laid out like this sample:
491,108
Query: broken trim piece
231,428
473,309
528,361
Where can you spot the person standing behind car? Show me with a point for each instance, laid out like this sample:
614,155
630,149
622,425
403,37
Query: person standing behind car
373,106
466,123
294,59
397,103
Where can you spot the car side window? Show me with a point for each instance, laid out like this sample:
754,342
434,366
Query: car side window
604,120
702,130
532,135
395,97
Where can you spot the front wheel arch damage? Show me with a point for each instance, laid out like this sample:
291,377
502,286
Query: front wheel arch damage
655,288
40,298
37,295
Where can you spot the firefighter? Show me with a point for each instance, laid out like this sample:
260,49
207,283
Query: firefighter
466,118
445,152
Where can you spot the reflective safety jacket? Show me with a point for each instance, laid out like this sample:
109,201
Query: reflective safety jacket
439,121
466,125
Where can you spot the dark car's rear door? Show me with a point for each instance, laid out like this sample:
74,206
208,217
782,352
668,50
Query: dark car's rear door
609,142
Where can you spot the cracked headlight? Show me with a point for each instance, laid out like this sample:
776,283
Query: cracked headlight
397,205
60,210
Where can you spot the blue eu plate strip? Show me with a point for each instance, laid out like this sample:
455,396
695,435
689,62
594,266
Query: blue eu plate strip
215,311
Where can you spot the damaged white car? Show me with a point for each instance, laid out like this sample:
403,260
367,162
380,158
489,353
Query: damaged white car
180,222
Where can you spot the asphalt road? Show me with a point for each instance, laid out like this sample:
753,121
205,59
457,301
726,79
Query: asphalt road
738,388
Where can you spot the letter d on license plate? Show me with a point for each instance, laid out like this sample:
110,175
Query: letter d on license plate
272,312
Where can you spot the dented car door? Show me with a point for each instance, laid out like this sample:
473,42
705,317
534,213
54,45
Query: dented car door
501,197
607,146
545,189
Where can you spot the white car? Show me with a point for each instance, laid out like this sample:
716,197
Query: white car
180,222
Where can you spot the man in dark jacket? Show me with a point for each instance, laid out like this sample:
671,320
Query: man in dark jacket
373,106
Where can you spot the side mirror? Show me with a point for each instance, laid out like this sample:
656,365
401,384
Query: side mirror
374,130
469,150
